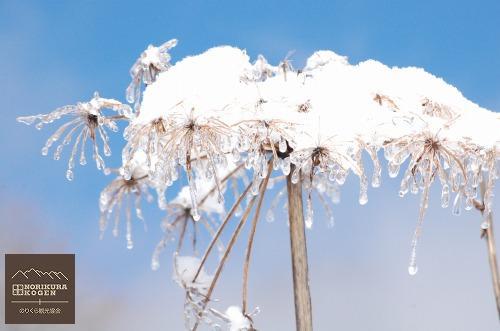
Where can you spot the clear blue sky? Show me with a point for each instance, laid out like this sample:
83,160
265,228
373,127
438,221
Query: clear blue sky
58,52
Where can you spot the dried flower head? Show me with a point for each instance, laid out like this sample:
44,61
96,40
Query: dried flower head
179,220
432,156
384,100
88,119
324,158
436,109
147,67
126,193
257,139
143,139
190,139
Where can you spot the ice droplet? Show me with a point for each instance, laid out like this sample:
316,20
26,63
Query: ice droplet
69,175
309,214
445,196
282,146
376,180
155,264
485,225
270,215
457,204
412,270
363,191
341,176
393,169
195,214
285,166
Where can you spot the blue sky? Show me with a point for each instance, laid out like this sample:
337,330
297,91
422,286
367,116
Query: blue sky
59,52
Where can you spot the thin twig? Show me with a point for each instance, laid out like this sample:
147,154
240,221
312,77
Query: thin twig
488,235
220,229
225,178
224,258
251,237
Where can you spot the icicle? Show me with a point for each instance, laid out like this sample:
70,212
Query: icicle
445,196
194,200
469,203
277,163
341,176
255,185
155,262
456,204
485,225
285,166
424,204
363,190
376,178
309,212
403,189
130,243
282,146
296,176
393,169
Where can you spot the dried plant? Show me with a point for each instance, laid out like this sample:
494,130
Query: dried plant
266,125
88,119
126,193
147,67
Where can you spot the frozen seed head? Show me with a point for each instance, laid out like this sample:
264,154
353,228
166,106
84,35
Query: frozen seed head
123,196
87,121
147,67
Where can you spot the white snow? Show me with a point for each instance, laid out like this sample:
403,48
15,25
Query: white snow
343,98
237,321
185,268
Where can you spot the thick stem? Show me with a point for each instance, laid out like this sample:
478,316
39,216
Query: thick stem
303,311
492,255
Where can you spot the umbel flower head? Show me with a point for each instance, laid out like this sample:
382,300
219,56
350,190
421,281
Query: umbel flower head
87,121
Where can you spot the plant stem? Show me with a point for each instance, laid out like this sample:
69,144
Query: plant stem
251,237
303,311
489,236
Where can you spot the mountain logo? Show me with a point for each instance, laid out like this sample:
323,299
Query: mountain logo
35,273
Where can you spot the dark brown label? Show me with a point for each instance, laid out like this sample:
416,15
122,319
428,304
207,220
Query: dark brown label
39,288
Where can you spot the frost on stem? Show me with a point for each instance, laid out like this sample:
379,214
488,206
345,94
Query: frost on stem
147,67
87,121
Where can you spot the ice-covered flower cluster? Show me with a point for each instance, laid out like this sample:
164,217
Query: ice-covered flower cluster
208,117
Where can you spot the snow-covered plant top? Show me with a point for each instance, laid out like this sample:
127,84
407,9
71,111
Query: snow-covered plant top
211,116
